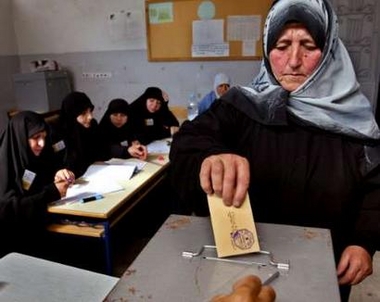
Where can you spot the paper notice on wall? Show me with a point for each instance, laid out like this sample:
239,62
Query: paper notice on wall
240,28
210,50
208,39
161,13
249,48
208,32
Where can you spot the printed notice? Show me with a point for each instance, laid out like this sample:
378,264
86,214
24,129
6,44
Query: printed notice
234,228
240,28
211,50
249,48
208,31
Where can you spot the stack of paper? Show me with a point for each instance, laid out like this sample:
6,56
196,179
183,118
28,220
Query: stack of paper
99,179
159,146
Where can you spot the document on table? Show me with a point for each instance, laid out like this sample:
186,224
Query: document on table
99,179
133,162
159,146
111,172
234,228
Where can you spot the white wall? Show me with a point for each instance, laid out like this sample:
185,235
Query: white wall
8,39
9,61
62,26
82,37
109,36
132,74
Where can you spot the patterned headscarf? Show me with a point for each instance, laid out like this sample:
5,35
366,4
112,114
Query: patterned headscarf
330,98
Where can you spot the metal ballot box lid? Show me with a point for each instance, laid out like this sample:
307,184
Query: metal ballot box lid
161,273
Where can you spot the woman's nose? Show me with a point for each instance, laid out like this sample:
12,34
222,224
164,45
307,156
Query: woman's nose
41,143
295,57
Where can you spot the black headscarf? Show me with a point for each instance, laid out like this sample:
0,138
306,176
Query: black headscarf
81,142
73,105
117,106
113,136
15,152
162,119
150,93
23,210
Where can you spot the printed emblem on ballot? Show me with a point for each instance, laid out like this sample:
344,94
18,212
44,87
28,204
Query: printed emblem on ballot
234,228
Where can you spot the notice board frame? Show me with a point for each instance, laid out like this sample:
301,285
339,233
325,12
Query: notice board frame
172,40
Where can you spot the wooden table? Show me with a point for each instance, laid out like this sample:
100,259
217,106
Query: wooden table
160,273
95,219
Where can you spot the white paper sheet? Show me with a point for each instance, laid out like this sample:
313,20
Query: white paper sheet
159,146
208,32
98,179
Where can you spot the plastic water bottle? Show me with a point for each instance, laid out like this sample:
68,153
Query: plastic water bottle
192,107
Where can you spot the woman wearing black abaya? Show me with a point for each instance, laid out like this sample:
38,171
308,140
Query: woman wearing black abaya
28,181
151,116
117,133
77,134
302,141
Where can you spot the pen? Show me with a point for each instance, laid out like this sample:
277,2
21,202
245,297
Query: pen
91,198
234,261
271,278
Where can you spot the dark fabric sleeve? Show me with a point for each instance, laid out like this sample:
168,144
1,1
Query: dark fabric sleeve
118,151
169,118
209,133
110,149
27,208
367,231
23,219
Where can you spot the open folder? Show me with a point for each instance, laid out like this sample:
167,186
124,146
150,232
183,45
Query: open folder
99,179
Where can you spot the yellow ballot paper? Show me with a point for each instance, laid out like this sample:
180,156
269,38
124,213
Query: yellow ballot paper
234,228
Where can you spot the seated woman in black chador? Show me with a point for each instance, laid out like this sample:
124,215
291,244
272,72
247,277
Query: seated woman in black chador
29,180
151,116
117,133
77,134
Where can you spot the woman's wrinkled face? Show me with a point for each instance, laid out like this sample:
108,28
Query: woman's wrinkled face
118,119
85,118
294,57
37,142
153,105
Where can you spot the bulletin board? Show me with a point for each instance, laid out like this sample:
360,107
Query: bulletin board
170,29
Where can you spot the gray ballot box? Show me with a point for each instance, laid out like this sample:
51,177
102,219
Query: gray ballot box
41,91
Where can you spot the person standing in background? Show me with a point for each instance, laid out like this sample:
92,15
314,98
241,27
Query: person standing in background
151,116
117,132
221,85
30,178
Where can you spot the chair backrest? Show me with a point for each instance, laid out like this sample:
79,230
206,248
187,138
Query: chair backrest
180,113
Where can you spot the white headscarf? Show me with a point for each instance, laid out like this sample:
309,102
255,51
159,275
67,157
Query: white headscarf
220,78
330,98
